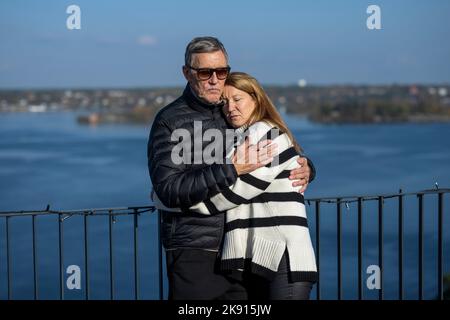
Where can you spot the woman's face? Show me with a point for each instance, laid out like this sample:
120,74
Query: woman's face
239,106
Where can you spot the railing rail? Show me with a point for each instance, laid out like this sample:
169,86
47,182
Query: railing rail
136,212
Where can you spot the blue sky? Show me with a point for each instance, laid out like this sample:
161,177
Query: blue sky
141,43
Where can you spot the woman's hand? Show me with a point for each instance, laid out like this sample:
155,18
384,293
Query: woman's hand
248,158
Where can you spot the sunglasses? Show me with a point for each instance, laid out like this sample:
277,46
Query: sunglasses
206,73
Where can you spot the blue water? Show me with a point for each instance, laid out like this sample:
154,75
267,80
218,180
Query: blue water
50,159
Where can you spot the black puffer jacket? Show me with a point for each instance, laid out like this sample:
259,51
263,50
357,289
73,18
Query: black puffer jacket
183,185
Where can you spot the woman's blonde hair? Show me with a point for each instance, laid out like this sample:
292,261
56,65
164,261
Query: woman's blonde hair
264,108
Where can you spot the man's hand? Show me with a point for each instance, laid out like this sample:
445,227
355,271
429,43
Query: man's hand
301,175
248,158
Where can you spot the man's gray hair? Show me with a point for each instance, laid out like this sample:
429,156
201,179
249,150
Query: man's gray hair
203,45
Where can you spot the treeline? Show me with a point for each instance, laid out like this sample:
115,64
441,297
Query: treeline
324,104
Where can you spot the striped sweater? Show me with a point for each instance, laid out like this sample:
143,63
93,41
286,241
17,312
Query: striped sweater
265,214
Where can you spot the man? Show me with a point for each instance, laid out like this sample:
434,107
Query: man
193,241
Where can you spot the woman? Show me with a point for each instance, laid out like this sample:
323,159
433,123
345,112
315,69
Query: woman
266,242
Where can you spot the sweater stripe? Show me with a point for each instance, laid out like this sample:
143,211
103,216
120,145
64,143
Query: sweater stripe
258,183
233,197
264,197
271,134
266,222
283,157
283,174
279,197
211,207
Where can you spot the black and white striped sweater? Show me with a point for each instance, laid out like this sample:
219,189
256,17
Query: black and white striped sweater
265,214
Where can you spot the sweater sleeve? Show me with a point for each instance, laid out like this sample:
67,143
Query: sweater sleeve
249,186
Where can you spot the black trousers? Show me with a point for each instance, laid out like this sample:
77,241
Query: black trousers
193,275
279,288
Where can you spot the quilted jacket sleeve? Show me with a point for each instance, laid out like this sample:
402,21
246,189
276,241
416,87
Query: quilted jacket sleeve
178,185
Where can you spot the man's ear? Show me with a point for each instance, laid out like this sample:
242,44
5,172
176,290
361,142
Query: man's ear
186,72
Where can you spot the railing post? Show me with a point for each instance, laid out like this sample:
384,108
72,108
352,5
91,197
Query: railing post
35,295
136,270
440,244
61,258
160,263
380,244
339,247
8,259
360,280
420,196
400,245
318,247
86,256
111,262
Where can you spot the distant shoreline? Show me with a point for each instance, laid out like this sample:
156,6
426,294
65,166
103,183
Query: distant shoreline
340,104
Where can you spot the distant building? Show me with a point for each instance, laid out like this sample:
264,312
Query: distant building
302,83
37,108
413,90
442,92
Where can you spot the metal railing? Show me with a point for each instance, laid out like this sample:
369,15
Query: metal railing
316,203
111,213
379,199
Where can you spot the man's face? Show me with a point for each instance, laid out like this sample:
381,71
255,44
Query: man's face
209,90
